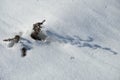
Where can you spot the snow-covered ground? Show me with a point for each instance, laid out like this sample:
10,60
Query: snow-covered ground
84,38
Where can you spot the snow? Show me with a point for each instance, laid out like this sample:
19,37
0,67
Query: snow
83,40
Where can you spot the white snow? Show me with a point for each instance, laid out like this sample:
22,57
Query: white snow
84,40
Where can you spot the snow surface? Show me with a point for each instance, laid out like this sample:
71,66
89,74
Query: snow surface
83,40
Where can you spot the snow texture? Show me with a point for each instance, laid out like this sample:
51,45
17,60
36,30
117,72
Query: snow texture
83,40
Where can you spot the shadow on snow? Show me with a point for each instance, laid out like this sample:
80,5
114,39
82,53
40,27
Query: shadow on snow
77,41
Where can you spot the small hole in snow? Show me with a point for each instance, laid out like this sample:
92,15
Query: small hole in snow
72,57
